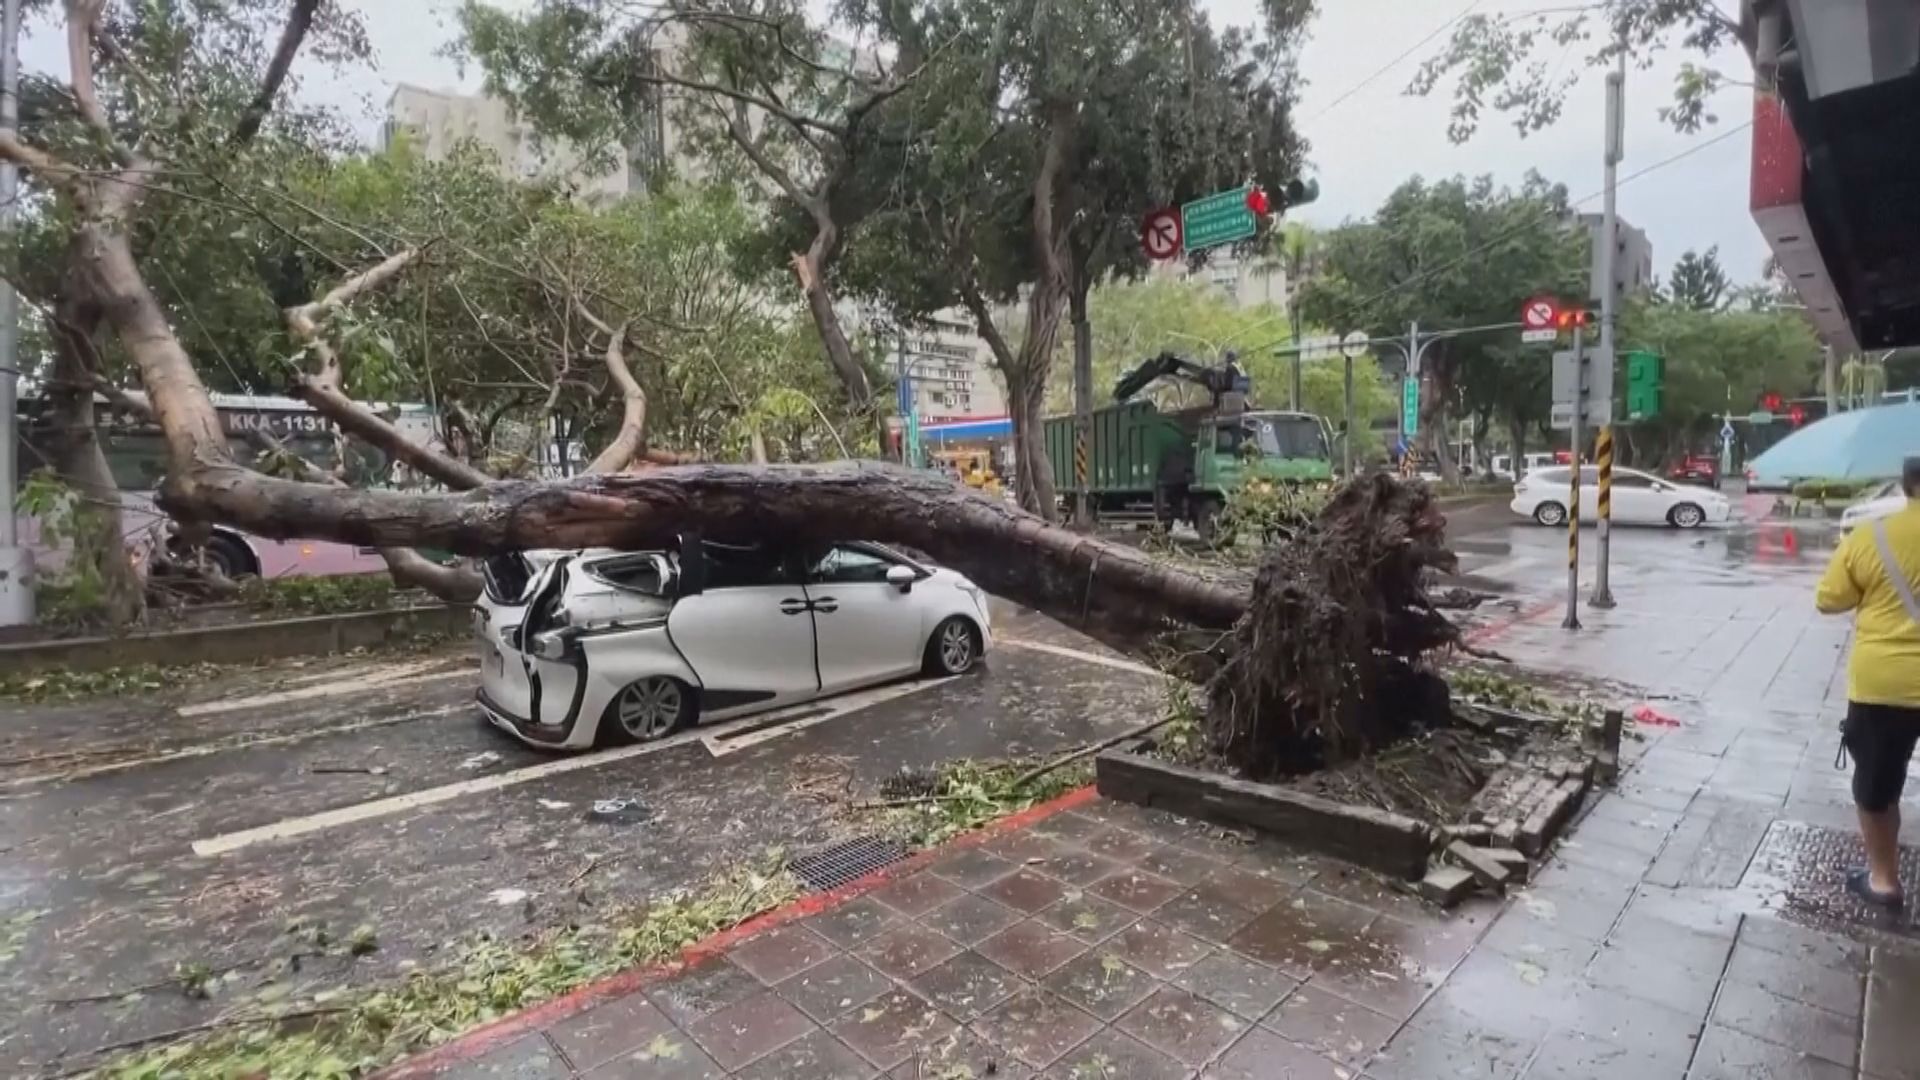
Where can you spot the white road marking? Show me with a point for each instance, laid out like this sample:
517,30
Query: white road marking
1076,654
720,746
222,747
227,843
1496,570
380,680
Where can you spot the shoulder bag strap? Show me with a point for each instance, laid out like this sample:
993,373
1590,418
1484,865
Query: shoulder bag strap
1895,573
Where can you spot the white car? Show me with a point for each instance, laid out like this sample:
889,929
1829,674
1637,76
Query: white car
599,647
1883,501
1638,499
1502,467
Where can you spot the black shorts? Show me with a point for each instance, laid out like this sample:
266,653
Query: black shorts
1881,739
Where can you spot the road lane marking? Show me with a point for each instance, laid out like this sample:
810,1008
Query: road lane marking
226,843
1076,654
720,745
384,680
1493,571
206,749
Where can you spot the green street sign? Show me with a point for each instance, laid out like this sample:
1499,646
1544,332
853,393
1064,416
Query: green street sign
1646,373
1410,407
1760,416
1217,219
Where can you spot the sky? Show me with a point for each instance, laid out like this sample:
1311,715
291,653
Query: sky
1366,134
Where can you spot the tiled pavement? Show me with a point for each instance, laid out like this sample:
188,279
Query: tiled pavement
1111,942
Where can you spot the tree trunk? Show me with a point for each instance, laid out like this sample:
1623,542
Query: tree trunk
810,268
98,529
1434,414
1517,427
1032,468
1114,591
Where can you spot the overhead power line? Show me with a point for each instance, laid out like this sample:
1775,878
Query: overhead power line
1395,62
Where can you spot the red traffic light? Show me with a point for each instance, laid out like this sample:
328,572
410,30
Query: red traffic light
1770,402
1797,415
1571,317
1257,200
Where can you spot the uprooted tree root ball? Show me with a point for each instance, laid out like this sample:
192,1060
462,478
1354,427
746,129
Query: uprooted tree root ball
1326,663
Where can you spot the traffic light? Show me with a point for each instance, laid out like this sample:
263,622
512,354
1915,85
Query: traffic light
1770,402
1797,415
1572,317
1257,201
1645,372
1297,192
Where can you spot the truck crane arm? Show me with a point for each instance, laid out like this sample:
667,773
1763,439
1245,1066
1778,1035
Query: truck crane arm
1217,381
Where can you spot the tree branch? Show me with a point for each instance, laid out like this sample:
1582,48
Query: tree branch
82,17
792,118
619,452
299,20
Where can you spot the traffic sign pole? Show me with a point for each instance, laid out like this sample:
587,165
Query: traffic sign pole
1572,621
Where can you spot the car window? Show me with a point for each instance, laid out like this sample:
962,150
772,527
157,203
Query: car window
1548,476
636,573
848,566
506,577
744,567
1632,480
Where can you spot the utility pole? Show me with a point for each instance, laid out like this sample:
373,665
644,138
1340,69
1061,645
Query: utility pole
1346,444
16,562
1609,303
1294,395
1413,373
1572,621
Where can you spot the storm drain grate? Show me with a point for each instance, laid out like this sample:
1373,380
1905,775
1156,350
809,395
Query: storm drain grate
1801,870
850,860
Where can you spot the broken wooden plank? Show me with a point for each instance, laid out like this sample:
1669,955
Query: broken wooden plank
1379,840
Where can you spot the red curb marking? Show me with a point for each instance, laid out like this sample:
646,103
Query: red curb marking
480,1040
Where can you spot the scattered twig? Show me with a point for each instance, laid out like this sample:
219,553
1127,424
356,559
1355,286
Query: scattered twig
216,1024
1070,757
917,800
328,770
592,864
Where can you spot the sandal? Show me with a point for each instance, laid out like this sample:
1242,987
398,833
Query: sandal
1859,883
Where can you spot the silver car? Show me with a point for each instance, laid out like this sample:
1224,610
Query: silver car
600,647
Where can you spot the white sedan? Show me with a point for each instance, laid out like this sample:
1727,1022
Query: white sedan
1638,499
1884,500
594,648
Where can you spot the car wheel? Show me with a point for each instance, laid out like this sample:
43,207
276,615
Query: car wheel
1550,513
954,648
1686,516
649,709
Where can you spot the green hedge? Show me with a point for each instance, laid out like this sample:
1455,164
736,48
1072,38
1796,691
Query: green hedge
1831,490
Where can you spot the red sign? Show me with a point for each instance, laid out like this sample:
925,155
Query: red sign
1160,234
1540,313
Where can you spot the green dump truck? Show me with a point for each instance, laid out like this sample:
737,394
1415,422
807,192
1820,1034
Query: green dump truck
1179,466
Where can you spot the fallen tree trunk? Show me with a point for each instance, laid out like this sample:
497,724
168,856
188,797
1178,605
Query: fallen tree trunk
1115,592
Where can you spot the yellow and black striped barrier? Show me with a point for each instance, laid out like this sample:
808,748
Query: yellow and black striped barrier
1080,459
1603,455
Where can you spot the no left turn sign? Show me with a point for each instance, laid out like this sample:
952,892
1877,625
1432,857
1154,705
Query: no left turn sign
1160,234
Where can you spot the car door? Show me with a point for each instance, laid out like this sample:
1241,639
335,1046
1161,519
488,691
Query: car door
868,630
1589,494
1638,499
747,632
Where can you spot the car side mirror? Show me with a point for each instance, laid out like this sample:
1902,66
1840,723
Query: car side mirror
902,577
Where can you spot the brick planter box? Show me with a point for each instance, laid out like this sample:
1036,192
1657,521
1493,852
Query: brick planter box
1376,839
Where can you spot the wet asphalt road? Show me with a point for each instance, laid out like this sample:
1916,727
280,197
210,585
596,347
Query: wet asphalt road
191,825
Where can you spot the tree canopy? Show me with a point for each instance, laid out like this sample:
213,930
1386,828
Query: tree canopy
1452,255
1698,282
